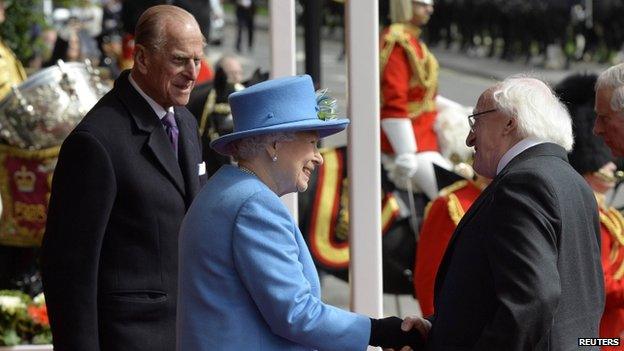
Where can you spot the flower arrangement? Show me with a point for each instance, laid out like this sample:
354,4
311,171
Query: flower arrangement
325,105
23,320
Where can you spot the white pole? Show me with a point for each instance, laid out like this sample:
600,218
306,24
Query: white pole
362,29
283,60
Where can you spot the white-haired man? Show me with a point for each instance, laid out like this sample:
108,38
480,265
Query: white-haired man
610,108
522,270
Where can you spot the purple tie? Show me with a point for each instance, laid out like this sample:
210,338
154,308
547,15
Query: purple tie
172,130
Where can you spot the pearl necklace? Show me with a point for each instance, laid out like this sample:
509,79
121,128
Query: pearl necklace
247,170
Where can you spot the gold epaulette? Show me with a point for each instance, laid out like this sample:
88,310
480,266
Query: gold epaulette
207,110
396,34
455,209
424,70
613,220
453,187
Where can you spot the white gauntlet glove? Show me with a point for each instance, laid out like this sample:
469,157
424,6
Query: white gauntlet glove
401,136
406,165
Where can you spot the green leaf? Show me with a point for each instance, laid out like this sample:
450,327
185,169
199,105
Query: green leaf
16,31
9,338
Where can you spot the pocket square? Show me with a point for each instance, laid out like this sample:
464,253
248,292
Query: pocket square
201,168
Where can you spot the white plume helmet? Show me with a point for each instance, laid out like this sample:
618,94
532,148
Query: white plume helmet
452,128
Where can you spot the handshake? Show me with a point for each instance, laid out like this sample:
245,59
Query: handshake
392,333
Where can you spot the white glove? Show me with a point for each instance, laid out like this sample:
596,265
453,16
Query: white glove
401,136
406,165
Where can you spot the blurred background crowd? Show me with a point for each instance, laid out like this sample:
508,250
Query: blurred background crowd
553,33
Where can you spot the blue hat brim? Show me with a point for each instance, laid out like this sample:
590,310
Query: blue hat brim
324,128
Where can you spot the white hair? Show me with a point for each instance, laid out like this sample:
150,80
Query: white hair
250,147
540,114
613,79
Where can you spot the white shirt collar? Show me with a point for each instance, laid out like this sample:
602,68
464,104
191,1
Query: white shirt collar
516,150
159,110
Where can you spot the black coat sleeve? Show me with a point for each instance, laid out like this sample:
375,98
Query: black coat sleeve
83,193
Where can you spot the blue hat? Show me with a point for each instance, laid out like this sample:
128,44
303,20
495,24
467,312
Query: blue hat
279,105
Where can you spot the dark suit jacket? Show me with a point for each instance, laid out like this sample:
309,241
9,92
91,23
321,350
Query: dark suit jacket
522,270
110,251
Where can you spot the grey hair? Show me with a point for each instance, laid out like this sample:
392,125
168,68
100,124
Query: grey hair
613,78
250,147
540,114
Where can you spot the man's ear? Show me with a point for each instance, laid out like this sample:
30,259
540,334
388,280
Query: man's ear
141,58
512,126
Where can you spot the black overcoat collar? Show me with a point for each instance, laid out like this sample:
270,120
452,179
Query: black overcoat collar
157,142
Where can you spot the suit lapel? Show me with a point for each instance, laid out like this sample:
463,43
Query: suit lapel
186,145
146,120
448,253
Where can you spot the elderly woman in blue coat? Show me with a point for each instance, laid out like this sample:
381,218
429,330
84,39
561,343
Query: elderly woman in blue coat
247,280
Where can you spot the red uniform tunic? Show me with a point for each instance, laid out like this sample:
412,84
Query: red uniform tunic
409,83
441,219
612,250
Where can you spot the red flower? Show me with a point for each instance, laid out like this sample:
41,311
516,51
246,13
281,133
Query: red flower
39,314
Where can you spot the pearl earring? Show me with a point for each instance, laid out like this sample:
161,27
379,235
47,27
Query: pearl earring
274,158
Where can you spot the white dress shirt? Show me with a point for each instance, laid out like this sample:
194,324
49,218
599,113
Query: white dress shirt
516,150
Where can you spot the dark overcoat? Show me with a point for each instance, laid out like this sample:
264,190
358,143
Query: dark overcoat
522,270
110,250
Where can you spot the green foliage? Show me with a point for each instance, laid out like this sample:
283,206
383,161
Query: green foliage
23,320
21,16
16,31
70,3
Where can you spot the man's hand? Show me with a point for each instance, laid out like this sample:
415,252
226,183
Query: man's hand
418,323
413,322
389,333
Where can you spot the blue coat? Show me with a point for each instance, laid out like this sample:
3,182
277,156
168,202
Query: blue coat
247,280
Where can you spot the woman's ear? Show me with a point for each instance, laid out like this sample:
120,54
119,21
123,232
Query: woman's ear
271,149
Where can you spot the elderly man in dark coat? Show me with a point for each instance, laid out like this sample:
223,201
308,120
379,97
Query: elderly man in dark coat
522,270
125,177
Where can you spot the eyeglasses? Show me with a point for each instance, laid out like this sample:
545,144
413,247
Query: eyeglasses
472,118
